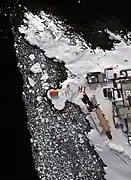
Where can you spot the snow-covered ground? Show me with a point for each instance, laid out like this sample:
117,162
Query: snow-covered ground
48,35
118,166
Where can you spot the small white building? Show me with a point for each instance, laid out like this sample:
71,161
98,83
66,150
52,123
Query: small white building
109,73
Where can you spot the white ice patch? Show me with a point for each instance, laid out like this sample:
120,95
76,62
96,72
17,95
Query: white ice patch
30,91
80,135
32,57
39,98
80,175
42,65
28,86
81,140
31,82
42,120
40,153
36,68
44,77
113,36
15,45
45,86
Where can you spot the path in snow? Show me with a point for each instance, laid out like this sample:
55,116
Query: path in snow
116,168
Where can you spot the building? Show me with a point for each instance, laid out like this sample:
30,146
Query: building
95,77
123,103
109,73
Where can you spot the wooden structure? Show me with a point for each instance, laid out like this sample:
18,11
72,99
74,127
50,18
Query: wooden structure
103,122
96,121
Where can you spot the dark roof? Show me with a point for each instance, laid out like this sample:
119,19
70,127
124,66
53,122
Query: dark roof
94,73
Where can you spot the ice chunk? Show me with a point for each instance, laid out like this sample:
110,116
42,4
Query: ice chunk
81,140
45,86
39,98
31,56
42,120
31,82
36,68
44,77
30,91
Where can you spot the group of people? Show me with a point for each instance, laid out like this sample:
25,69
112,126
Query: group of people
91,103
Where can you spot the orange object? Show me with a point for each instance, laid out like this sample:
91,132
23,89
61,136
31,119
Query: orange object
54,93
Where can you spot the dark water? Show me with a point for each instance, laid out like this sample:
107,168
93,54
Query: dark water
16,158
87,18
